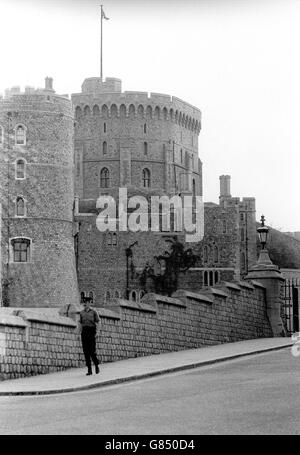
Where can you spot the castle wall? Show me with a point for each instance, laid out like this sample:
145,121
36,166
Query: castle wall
35,342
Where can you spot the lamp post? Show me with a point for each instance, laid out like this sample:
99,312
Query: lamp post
263,231
268,274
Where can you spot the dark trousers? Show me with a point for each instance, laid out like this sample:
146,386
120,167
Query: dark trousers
88,339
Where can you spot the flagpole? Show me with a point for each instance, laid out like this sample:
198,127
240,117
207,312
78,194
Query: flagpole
101,46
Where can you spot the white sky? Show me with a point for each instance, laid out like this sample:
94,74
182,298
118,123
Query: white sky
236,60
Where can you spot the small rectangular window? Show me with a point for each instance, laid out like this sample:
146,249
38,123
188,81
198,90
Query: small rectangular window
20,135
21,250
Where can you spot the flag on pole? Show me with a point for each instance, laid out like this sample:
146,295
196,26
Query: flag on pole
103,14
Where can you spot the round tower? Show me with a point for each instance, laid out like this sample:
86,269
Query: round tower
36,193
132,139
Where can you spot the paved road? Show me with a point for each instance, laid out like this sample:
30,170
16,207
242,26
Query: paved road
254,395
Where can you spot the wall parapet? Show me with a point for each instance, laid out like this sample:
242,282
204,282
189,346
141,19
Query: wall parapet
36,316
36,341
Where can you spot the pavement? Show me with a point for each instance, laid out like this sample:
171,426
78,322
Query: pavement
75,379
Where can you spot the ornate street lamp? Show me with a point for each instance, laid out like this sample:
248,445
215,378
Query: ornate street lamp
263,232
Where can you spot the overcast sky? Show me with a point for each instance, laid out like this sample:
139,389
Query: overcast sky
238,61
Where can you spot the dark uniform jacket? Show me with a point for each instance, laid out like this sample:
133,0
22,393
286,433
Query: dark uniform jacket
89,318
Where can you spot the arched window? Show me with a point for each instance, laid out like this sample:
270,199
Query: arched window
211,278
87,110
82,295
145,148
107,295
20,169
165,113
78,112
145,128
20,206
104,148
1,135
157,113
131,111
133,296
122,111
146,178
104,111
114,111
104,178
216,254
104,127
141,111
96,110
20,135
205,254
205,278
21,249
142,293
149,112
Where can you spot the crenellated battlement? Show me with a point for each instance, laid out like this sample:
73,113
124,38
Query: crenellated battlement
36,99
134,104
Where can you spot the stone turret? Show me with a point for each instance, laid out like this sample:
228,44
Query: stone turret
37,197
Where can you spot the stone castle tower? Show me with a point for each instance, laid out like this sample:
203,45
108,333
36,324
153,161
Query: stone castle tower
130,139
147,143
37,197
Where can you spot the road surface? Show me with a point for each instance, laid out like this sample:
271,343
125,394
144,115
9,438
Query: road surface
252,395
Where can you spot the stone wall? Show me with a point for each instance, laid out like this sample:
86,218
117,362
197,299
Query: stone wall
41,341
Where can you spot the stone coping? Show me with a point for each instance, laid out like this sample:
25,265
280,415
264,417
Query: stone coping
107,313
233,286
257,284
245,284
218,292
193,295
11,320
168,300
39,316
121,303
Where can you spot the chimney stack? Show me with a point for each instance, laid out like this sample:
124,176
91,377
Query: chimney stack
49,84
224,186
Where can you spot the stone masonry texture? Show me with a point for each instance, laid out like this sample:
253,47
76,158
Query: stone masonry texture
34,342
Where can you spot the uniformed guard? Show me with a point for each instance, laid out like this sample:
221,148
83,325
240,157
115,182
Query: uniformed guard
88,326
